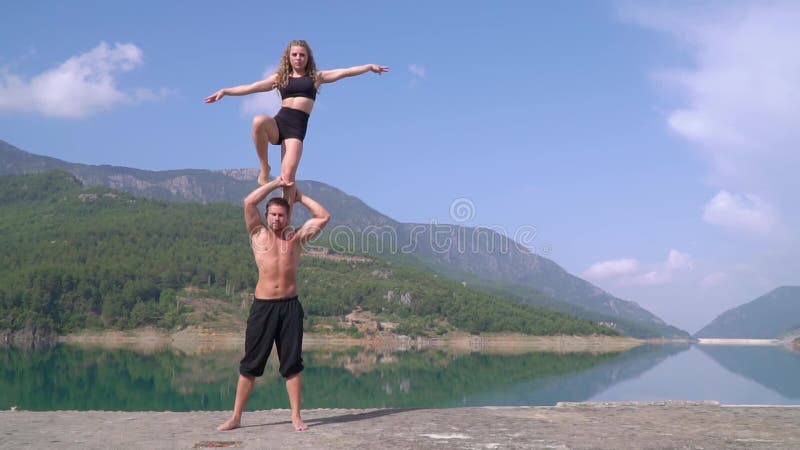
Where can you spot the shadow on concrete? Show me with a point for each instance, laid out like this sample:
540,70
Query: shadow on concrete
356,417
344,418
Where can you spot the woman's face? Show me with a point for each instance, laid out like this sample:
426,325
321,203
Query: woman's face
298,57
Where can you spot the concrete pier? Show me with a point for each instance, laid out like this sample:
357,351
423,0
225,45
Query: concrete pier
641,425
721,341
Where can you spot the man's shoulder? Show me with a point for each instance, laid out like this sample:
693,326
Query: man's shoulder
257,229
259,232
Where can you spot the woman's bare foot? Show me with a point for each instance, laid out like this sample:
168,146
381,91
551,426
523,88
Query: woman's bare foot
263,176
229,425
298,424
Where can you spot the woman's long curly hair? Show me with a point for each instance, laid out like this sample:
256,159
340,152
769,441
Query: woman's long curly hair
285,67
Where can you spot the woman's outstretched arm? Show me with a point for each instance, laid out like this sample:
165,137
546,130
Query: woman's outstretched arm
267,84
329,76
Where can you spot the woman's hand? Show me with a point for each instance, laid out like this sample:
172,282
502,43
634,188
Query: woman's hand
215,96
378,69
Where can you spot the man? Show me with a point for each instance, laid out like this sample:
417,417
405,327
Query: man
276,314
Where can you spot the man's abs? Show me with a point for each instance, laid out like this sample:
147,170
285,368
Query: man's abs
268,290
277,280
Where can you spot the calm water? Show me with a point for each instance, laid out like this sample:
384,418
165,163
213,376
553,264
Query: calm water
70,377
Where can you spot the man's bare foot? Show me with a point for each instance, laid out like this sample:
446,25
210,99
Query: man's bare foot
298,424
229,425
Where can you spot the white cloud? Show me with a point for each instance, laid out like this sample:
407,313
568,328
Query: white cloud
417,71
629,272
745,212
676,261
739,99
648,279
263,102
611,269
80,87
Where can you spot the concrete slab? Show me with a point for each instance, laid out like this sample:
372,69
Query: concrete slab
640,425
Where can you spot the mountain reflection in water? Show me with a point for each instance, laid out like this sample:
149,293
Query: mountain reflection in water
774,367
86,378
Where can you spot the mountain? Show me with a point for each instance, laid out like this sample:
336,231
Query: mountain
76,257
477,256
770,316
630,325
483,257
189,185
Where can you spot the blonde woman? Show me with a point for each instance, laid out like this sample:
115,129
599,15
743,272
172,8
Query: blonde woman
298,80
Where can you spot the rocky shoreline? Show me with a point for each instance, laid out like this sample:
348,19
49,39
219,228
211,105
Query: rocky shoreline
28,337
192,339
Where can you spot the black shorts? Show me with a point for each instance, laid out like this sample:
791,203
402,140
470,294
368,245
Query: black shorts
278,321
292,123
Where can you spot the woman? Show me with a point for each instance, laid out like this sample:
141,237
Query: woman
297,79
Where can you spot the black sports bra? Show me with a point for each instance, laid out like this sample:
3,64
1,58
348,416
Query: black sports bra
299,87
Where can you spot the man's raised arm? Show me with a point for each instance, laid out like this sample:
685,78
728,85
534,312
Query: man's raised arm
252,217
319,218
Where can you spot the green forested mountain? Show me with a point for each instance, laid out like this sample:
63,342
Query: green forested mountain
477,256
770,316
637,325
76,257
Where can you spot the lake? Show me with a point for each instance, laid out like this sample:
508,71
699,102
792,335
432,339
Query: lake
69,377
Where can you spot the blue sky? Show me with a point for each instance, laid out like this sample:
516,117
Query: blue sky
653,146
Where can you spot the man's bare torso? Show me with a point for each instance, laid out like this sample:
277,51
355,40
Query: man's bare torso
277,259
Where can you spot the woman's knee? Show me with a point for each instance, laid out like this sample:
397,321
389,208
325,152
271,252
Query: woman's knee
260,121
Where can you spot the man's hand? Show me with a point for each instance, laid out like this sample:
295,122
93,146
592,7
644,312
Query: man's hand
252,217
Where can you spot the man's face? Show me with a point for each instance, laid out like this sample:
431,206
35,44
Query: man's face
277,217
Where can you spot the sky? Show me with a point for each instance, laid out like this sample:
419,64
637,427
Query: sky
650,148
